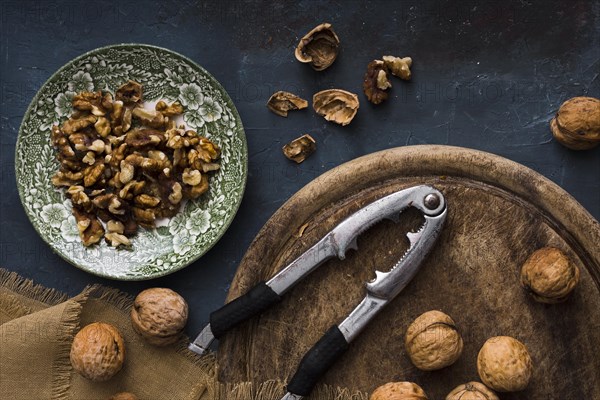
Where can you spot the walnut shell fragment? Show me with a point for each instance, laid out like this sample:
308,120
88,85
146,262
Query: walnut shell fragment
399,66
281,102
577,123
159,315
549,276
299,149
336,105
399,391
376,82
504,364
433,342
319,47
471,391
98,351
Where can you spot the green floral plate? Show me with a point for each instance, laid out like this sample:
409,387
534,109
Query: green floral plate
164,75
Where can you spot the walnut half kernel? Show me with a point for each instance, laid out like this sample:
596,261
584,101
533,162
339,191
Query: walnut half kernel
376,83
299,149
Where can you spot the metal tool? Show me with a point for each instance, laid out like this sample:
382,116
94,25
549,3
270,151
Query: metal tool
380,291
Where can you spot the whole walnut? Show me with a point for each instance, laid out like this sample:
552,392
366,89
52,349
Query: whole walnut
433,342
123,396
504,364
549,275
98,351
159,315
399,391
471,391
577,123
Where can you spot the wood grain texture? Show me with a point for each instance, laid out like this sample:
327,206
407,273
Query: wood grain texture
499,212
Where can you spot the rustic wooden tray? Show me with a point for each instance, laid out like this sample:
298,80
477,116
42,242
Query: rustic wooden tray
499,212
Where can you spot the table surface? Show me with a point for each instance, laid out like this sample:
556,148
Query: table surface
486,75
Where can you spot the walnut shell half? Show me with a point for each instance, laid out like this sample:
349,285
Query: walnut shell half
336,105
319,47
159,315
471,391
433,341
549,276
298,149
98,351
282,102
399,391
504,364
577,123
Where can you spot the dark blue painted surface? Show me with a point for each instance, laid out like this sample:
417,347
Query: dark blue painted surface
486,75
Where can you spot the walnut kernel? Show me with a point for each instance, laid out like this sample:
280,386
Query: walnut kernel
376,82
471,391
398,66
159,315
98,351
399,391
504,364
433,342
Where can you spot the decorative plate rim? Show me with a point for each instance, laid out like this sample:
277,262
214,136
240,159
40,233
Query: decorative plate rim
244,158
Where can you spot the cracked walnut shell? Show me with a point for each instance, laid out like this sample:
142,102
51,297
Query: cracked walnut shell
549,276
433,342
159,315
504,364
298,149
471,391
336,105
98,351
577,123
399,391
319,47
281,102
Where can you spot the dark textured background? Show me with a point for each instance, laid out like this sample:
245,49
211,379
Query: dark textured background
486,75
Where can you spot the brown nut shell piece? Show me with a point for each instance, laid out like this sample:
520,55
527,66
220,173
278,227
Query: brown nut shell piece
504,364
299,149
159,315
319,47
433,342
577,123
123,396
549,276
376,82
336,105
281,102
98,351
471,391
399,391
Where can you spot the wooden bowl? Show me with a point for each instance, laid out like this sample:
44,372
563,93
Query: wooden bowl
499,212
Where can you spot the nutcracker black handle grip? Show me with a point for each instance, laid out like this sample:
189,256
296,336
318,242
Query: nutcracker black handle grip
255,301
317,361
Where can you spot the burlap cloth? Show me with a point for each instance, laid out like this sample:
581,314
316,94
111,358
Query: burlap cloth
37,326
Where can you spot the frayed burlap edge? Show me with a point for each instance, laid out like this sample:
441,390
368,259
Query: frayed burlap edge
27,288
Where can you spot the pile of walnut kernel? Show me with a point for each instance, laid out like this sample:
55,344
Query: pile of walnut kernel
127,166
